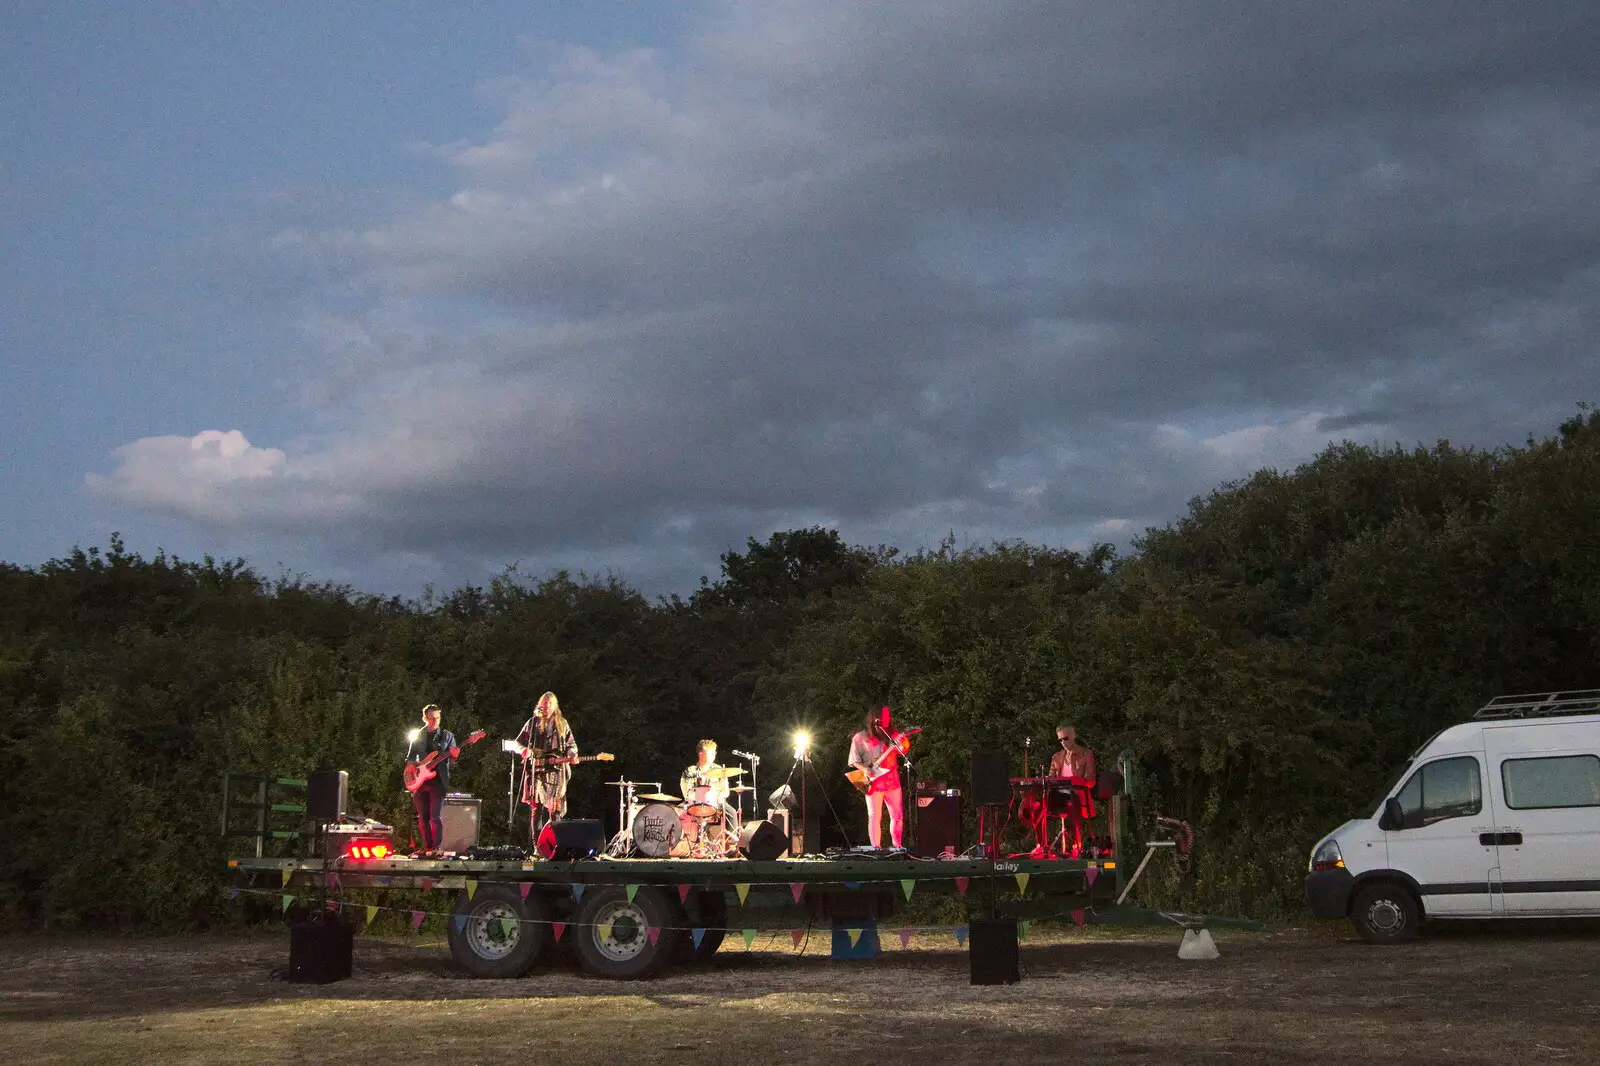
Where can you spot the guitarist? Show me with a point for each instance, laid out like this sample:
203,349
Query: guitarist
544,782
429,799
870,752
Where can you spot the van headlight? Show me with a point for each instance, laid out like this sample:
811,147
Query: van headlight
1327,856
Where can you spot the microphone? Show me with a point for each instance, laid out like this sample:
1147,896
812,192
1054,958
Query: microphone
745,755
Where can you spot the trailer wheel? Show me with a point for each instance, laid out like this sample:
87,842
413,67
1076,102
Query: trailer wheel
707,911
613,935
1386,913
497,933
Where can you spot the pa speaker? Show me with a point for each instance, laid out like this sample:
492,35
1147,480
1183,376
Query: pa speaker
991,783
938,825
319,951
572,838
327,792
992,951
459,815
762,842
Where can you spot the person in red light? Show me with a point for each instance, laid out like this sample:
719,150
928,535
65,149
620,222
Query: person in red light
875,751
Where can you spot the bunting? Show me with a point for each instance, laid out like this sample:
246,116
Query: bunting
472,888
1022,929
961,885
653,933
749,937
557,928
417,918
372,912
631,890
852,884
1091,875
905,936
333,879
603,931
697,934
908,886
287,899
506,925
1077,917
683,893
577,892
1022,884
961,935
854,934
796,889
288,875
460,921
524,887
744,892
427,884
797,935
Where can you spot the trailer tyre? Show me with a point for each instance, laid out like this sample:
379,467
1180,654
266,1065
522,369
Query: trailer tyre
614,934
1386,913
497,933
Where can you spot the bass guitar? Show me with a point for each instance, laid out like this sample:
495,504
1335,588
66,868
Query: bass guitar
420,773
863,779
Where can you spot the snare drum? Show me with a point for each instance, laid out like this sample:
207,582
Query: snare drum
656,830
703,804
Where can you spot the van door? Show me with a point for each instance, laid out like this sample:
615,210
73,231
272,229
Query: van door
1441,842
1545,788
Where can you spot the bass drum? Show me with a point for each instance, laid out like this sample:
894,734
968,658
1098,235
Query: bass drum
656,830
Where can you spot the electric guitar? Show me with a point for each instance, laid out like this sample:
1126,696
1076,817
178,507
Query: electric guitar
863,779
420,773
544,758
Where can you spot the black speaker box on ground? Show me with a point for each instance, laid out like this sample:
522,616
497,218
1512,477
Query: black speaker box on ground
938,825
992,951
762,842
991,783
459,815
319,951
577,838
327,793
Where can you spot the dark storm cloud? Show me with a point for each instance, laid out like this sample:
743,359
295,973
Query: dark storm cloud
1019,270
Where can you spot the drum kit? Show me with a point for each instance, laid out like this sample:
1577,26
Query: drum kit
658,825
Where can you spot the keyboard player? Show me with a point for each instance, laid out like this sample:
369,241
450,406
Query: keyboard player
1076,762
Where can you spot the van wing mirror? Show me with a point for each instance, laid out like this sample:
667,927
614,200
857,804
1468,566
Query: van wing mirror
1392,818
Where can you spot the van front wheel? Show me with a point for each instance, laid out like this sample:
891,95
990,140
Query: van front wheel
1386,914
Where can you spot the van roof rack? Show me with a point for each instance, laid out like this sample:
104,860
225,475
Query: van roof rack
1541,704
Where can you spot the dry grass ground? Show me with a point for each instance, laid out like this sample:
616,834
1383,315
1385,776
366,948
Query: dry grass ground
1467,995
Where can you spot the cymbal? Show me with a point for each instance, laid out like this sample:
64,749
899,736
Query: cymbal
742,788
661,797
725,771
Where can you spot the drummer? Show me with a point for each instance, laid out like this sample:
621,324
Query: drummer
706,781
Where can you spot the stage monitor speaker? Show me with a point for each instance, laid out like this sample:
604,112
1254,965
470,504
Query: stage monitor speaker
799,838
327,793
938,825
992,951
319,951
991,782
459,814
762,842
573,838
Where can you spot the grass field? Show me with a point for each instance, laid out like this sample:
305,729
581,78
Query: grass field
1526,994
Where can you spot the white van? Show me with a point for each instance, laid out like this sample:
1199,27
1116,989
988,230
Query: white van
1498,817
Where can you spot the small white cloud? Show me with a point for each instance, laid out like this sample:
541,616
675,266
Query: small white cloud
197,476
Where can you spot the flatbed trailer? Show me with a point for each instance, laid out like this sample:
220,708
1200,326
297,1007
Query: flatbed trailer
635,917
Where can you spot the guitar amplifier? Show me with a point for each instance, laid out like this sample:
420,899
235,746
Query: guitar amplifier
938,825
459,816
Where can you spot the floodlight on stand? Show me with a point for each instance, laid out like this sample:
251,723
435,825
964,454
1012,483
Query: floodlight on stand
802,744
411,737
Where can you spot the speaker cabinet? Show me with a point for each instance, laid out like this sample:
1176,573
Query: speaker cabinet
992,951
938,825
762,842
459,814
319,951
799,839
572,838
327,794
991,782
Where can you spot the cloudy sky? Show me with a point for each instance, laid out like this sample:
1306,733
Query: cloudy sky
402,293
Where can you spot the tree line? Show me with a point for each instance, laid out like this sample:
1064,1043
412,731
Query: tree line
1270,658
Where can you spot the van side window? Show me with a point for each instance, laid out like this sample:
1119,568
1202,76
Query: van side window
1448,788
1558,781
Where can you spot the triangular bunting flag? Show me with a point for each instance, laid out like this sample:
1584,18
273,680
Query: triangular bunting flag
1077,917
417,918
653,932
332,905
961,935
508,924
288,875
460,921
744,893
372,912
854,935
1091,875
1022,884
333,878
287,899
908,886
697,935
961,885
852,884
524,888
472,887
905,936
604,929
577,893
632,890
1022,930
558,928
797,890
683,893
427,884
749,938
797,935
235,893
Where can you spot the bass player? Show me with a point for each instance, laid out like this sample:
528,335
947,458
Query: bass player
428,799
876,751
